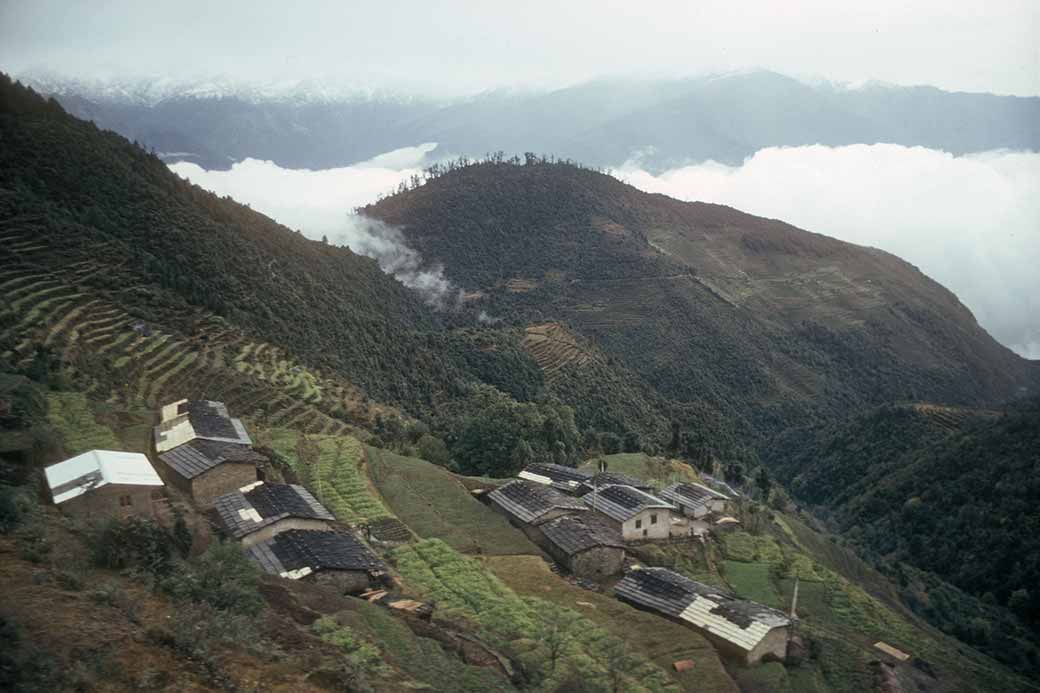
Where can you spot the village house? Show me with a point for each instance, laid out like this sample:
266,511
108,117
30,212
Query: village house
105,483
566,479
207,469
613,479
204,452
585,545
635,513
694,500
328,558
743,629
259,511
528,504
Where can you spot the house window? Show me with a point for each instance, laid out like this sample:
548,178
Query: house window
639,524
653,519
126,501
644,532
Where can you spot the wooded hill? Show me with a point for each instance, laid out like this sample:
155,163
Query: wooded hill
712,308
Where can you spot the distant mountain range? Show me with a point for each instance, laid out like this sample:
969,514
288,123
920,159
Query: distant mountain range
664,123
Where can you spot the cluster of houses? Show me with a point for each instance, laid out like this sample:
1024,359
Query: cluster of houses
585,520
208,456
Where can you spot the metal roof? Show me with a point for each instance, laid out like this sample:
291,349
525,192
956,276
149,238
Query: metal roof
567,479
616,479
690,494
185,420
623,502
299,552
245,511
77,475
528,500
576,533
200,455
740,622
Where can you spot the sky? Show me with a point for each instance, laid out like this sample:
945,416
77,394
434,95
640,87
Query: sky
970,222
461,46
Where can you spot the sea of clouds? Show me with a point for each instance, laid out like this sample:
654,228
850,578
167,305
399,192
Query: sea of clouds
970,222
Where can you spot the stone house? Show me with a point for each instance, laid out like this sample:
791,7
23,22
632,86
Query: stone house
566,479
694,500
742,629
259,511
635,513
585,545
206,469
183,421
528,504
336,559
105,483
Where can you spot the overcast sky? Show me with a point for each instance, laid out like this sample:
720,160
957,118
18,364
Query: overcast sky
462,46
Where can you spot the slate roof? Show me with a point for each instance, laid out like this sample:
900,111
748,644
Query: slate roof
690,494
200,455
566,479
298,552
186,420
96,468
528,501
573,534
614,479
623,502
243,512
740,622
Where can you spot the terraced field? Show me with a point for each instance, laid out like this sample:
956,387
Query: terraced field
554,348
70,413
331,466
112,354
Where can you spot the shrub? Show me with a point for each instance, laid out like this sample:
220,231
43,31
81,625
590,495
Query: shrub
10,512
131,543
222,578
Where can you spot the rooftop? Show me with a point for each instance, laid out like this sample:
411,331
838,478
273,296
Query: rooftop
556,475
82,473
691,494
245,511
623,502
184,421
529,500
740,622
298,552
576,533
200,455
616,479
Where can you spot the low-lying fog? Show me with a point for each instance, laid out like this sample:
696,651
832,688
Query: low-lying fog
970,222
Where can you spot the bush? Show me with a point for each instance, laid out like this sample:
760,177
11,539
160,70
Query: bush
10,511
222,578
132,543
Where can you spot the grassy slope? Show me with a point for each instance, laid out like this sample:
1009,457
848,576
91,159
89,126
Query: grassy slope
642,466
434,504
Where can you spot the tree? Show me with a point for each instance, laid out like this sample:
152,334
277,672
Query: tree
557,633
611,443
762,481
633,441
433,449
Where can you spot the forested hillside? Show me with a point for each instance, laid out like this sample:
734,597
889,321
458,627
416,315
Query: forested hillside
715,309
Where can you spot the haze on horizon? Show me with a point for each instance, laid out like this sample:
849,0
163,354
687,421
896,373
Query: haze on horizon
458,47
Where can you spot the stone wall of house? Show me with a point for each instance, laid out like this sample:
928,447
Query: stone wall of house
774,645
271,530
223,478
642,525
113,500
597,563
344,581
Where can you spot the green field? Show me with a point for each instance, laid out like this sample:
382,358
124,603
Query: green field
752,581
640,465
330,466
71,415
433,503
465,590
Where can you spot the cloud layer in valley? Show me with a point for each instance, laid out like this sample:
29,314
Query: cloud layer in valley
321,203
972,222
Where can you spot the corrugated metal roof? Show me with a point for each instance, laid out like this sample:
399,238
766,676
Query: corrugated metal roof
743,623
77,475
528,501
566,479
242,513
690,494
185,421
200,455
576,533
299,552
623,502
